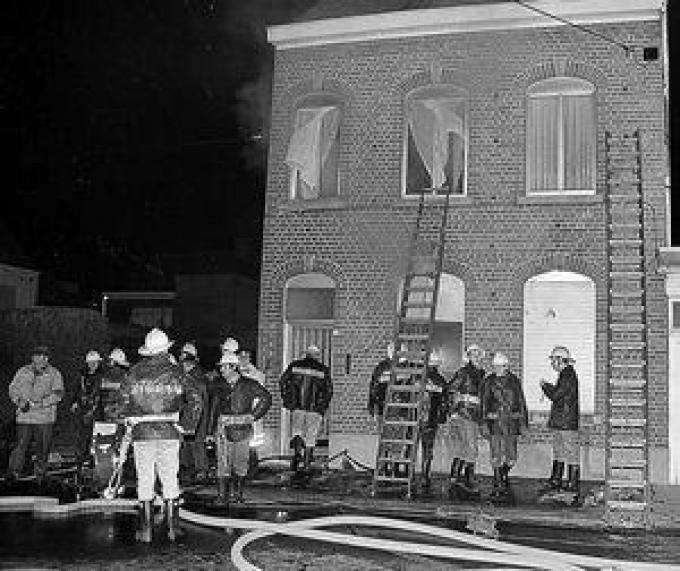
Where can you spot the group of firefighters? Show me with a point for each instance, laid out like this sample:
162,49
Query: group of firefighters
475,403
170,409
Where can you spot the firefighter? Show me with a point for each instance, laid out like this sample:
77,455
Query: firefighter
306,391
238,403
86,404
377,390
437,392
563,421
154,393
504,413
193,455
464,409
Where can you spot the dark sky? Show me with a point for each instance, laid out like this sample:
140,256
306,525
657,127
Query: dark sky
128,130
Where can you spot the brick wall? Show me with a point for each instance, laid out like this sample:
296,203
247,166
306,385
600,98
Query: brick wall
496,239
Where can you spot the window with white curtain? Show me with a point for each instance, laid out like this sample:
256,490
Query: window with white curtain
435,149
561,136
312,155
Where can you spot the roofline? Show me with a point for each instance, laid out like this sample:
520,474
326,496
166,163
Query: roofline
141,295
458,19
18,269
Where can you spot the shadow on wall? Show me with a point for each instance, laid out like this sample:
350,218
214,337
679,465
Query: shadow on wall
69,333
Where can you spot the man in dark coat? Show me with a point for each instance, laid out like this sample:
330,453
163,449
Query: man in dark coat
193,455
306,391
377,389
465,416
504,412
238,402
563,421
156,394
86,405
437,394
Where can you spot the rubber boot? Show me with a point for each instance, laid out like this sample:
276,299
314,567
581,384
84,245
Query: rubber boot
143,534
308,458
222,491
505,482
238,489
297,444
470,482
574,475
554,483
426,469
497,483
454,474
172,514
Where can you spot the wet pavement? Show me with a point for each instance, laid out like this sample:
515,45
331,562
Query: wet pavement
106,541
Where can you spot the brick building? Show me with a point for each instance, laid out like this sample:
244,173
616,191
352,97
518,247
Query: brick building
525,117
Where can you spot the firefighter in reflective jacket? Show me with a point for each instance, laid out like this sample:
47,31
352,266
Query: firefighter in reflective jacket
306,391
155,391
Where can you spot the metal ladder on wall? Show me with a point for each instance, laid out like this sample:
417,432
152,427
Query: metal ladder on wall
406,401
627,489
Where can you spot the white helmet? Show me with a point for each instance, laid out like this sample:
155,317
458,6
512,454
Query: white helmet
500,360
93,357
117,356
230,345
155,343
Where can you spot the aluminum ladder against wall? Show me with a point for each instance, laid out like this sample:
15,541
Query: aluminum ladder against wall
406,400
627,489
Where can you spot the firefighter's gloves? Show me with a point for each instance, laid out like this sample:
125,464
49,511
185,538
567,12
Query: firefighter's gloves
25,407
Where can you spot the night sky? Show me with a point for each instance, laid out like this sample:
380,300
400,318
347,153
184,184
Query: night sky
132,133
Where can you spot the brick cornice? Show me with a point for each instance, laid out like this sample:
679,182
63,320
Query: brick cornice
458,19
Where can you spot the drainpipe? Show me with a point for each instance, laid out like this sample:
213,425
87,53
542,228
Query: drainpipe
667,126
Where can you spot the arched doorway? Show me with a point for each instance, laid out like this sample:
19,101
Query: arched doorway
308,309
559,309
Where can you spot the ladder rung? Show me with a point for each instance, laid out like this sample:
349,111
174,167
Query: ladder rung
627,421
397,441
415,320
625,242
627,483
627,365
389,460
400,423
627,402
628,443
624,505
391,479
627,275
624,199
626,326
627,383
626,345
626,294
627,465
413,336
624,310
417,305
420,288
404,389
401,405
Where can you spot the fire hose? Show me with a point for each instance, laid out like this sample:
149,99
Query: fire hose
483,550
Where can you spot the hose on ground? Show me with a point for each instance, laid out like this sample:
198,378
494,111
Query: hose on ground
496,551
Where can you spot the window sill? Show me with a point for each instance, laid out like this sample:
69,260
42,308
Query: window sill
561,199
455,198
332,203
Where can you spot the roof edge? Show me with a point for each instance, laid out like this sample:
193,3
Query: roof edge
458,19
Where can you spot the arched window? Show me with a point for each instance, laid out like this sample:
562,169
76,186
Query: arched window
313,148
561,136
559,309
435,141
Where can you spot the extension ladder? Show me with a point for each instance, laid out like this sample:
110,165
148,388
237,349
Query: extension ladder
627,489
406,400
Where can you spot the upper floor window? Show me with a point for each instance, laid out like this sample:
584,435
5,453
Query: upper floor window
435,150
561,136
313,149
